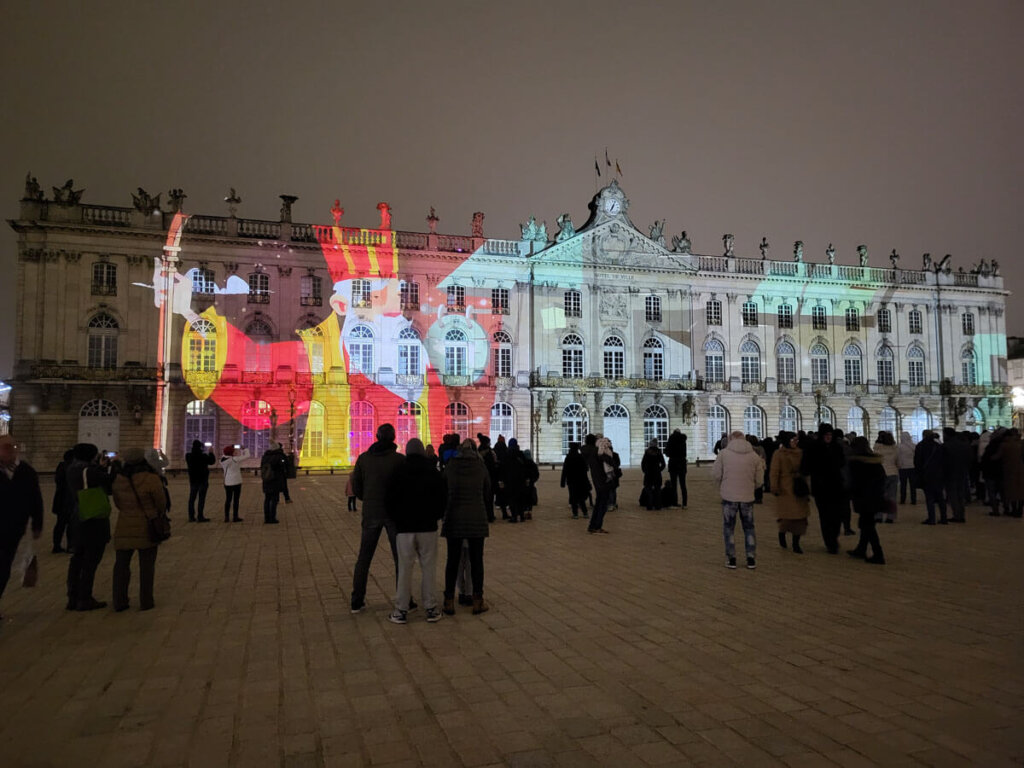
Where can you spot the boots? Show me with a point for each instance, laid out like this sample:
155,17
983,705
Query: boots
479,606
449,606
877,558
796,545
782,539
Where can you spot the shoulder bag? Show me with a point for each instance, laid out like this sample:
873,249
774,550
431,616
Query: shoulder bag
159,526
93,503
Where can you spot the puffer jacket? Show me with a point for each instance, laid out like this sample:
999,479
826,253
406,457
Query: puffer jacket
738,471
136,508
469,486
890,458
372,477
905,452
232,466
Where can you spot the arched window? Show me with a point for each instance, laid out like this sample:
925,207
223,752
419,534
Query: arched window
974,420
718,425
819,364
103,330
200,424
652,308
361,428
575,425
714,360
409,423
360,349
502,355
99,409
503,421
915,366
409,352
614,358
456,419
616,411
572,357
917,422
256,426
826,415
785,363
202,345
852,364
259,288
656,425
789,419
654,360
455,349
889,421
99,423
257,347
753,421
968,367
750,362
886,369
857,421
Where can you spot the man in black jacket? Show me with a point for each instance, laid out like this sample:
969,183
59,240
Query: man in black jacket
198,464
675,452
929,463
823,462
87,537
22,501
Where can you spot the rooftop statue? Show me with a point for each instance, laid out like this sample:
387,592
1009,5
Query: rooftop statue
830,254
144,202
894,257
432,220
529,229
565,228
32,189
798,251
657,229
541,234
477,226
67,195
727,243
177,199
926,261
764,248
995,268
681,244
862,254
287,201
232,200
337,212
385,215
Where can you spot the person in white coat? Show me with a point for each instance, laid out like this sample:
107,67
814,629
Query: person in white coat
231,463
738,471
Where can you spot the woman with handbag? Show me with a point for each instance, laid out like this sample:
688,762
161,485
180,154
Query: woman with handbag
792,494
141,524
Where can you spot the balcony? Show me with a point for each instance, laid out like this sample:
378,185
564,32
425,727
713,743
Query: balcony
789,387
362,303
409,380
410,306
311,301
456,380
84,373
752,386
258,298
499,310
104,289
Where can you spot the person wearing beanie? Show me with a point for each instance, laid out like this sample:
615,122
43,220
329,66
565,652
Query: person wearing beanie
231,464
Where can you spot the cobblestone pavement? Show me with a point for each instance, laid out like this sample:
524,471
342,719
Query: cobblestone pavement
637,648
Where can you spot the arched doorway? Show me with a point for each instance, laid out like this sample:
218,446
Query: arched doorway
616,429
99,423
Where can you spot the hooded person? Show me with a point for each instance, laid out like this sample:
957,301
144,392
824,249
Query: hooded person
738,471
867,490
905,464
465,518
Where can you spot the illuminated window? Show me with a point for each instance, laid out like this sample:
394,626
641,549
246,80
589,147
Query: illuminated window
202,281
889,421
202,346
886,368
819,364
753,421
103,330
409,352
361,428
456,298
573,304
967,323
311,291
572,357
654,360
749,313
311,441
713,312
857,421
914,320
785,316
361,294
499,301
714,360
455,349
200,423
919,420
656,425
408,423
99,409
968,368
256,426
258,345
915,366
410,294
360,349
852,364
503,421
314,339
826,415
259,288
718,425
852,320
456,419
789,419
785,363
104,279
575,425
884,321
750,362
502,355
818,320
614,358
652,309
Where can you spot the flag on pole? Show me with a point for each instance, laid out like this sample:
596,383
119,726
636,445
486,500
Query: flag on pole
617,169
597,167
606,160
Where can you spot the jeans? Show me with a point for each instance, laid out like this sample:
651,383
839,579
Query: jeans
270,501
367,548
232,496
196,492
600,508
907,478
476,565
410,547
123,576
934,497
745,511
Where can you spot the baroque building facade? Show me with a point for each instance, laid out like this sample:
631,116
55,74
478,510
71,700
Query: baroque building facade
142,325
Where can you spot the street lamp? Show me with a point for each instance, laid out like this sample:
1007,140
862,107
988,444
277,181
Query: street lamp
817,404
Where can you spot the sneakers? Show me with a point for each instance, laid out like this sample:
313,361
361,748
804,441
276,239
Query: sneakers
731,564
751,565
359,607
413,605
433,615
397,617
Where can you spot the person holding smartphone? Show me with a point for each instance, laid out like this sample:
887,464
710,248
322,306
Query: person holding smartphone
198,462
231,463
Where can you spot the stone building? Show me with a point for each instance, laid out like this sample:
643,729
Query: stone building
316,334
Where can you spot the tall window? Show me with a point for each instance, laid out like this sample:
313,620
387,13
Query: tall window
455,349
409,352
914,320
614,358
573,304
749,313
852,364
259,288
656,425
785,316
409,293
857,420
257,347
884,321
361,428
852,320
785,363
886,369
753,421
968,368
502,355
202,281
818,320
362,293
572,357
200,423
789,419
819,364
499,301
314,339
311,441
502,421
713,312
360,349
256,426
407,425
718,425
456,298
915,366
104,279
967,323
310,291
654,360
714,360
919,420
456,419
750,362
202,345
889,421
575,425
652,308
103,329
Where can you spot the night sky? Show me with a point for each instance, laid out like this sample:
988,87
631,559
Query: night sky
895,124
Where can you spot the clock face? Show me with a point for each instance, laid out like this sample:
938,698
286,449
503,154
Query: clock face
612,206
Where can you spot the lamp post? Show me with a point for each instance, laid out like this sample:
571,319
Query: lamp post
817,405
535,436
944,389
291,417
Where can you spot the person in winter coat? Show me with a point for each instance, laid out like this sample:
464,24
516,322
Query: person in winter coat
372,477
22,503
756,445
738,471
675,452
574,477
513,482
905,464
652,465
603,474
139,497
491,462
823,462
198,463
274,474
231,463
928,463
466,518
60,502
1009,457
885,448
88,538
416,502
532,478
992,470
867,490
956,469
791,509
